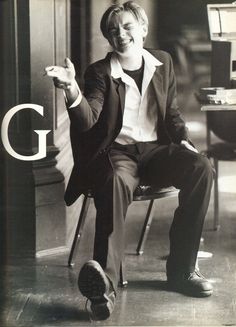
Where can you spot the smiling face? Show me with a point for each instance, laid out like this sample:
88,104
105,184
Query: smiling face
125,34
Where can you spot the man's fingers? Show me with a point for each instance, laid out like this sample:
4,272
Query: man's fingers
191,148
50,69
53,71
59,84
68,63
61,72
62,76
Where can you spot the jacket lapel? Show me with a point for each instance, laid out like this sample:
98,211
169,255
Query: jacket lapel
120,87
157,82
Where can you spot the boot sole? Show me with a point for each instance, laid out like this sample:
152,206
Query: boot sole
94,285
92,282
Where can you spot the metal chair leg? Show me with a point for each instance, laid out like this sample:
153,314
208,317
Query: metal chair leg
123,282
216,224
79,228
145,229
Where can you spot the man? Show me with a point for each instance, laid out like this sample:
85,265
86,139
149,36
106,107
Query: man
126,129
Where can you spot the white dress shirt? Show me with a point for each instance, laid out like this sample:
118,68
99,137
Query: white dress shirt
140,112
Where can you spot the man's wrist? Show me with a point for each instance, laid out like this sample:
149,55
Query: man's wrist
72,92
73,96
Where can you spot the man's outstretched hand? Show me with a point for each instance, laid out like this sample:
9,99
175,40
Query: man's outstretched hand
188,146
63,77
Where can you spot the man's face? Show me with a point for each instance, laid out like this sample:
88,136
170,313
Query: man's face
126,34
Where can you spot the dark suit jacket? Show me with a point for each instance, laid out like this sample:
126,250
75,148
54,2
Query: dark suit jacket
97,120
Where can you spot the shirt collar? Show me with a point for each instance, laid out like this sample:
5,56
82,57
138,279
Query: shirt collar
149,61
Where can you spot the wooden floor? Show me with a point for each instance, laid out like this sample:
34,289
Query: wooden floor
44,292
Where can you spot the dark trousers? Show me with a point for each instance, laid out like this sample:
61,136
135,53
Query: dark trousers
159,165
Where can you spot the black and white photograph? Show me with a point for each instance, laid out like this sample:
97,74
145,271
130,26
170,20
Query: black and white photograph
117,163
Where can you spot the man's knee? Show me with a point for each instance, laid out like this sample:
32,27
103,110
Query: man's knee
203,163
201,171
195,167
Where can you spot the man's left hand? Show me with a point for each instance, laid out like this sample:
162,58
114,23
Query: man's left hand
188,146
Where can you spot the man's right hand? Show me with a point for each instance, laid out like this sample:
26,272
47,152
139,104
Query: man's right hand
63,77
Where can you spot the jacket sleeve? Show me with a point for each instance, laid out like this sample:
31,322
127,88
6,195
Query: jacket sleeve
176,126
86,114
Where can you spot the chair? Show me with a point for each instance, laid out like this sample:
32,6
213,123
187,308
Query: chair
142,193
220,122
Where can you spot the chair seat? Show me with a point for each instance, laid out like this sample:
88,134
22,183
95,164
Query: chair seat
222,151
147,192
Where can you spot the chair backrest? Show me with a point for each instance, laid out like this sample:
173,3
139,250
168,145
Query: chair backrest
223,124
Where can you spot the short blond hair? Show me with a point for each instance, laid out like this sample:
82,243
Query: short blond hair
130,6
